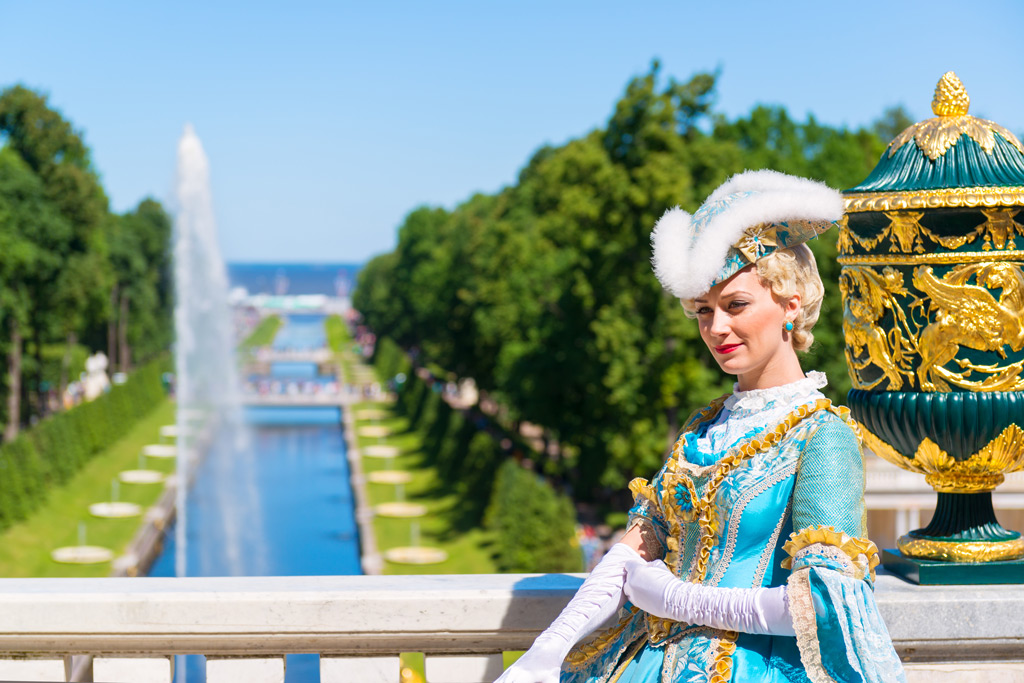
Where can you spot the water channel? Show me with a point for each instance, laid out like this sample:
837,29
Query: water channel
280,507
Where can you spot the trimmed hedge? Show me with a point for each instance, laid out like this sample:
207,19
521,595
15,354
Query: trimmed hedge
390,359
50,452
535,524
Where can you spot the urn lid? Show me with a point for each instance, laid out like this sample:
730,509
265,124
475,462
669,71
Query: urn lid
953,151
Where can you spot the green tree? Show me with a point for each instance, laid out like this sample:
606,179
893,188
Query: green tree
543,292
29,226
75,296
141,323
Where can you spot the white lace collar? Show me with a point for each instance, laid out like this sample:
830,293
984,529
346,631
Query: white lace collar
790,394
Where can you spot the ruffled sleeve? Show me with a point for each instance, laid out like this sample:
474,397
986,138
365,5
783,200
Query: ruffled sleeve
646,513
840,633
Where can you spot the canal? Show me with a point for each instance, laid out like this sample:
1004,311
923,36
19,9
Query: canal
282,505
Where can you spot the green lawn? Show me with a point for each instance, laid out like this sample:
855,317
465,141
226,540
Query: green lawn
263,334
340,341
469,552
25,547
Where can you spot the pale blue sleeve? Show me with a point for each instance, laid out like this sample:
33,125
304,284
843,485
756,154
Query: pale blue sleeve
840,632
829,487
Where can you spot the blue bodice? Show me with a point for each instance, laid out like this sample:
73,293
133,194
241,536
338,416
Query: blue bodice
740,480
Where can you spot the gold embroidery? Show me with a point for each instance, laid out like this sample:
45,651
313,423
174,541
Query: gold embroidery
704,508
583,652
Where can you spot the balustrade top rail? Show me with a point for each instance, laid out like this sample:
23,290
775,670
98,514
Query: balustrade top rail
376,615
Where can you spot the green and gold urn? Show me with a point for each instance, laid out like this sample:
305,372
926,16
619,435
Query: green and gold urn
932,255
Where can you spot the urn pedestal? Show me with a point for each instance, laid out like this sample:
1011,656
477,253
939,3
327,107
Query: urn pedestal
933,317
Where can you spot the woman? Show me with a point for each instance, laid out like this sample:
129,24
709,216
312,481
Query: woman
746,558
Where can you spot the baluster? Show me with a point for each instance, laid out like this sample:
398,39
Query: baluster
385,669
134,669
463,668
248,669
32,670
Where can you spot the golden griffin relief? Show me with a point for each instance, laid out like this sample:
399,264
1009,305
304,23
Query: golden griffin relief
867,296
929,327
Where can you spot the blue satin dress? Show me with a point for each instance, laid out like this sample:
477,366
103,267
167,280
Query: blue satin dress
763,488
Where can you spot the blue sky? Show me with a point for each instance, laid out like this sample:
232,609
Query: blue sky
325,123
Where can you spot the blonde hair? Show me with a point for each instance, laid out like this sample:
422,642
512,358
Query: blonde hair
788,272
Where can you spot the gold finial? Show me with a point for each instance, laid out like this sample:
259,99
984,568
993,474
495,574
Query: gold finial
951,97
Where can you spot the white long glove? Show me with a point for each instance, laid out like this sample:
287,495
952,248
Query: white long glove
653,587
597,600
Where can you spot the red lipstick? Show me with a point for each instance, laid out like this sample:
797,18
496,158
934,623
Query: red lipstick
727,348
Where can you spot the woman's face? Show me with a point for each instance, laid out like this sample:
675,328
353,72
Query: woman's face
742,323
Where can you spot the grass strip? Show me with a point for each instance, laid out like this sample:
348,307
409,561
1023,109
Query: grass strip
469,550
263,334
340,341
25,547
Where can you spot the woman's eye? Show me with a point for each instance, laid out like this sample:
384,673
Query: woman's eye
703,310
737,304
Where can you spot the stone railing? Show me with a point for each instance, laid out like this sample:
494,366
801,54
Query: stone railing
49,628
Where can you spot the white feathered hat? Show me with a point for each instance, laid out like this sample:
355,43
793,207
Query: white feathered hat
748,217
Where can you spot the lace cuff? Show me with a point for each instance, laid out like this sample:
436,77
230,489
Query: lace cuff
646,513
839,631
823,546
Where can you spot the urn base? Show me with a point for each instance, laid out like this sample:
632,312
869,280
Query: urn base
942,573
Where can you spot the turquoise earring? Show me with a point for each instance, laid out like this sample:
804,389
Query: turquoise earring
789,326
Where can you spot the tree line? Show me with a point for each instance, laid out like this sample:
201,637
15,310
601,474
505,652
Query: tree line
74,276
543,291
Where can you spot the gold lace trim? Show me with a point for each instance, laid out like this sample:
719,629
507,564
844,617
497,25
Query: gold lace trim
801,608
584,652
702,510
721,666
652,547
863,554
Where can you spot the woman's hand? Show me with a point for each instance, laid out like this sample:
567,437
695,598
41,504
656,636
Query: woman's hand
653,587
541,664
597,600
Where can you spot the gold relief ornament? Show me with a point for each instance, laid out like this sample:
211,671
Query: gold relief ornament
960,315
960,551
867,296
906,234
983,471
944,198
1000,229
950,105
968,315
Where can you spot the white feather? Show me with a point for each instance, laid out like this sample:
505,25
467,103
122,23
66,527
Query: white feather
671,239
687,267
